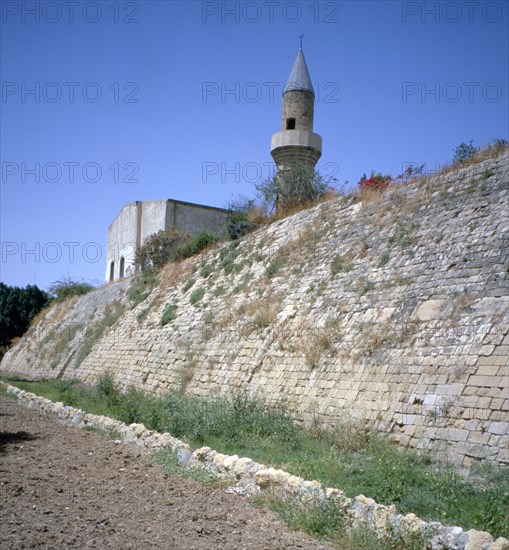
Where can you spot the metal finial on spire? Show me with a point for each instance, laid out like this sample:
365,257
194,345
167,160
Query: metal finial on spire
301,37
299,78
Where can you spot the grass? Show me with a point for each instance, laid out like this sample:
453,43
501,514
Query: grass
384,258
169,461
347,457
188,284
340,264
366,286
141,287
274,267
227,255
321,519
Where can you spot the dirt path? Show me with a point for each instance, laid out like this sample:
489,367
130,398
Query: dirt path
61,487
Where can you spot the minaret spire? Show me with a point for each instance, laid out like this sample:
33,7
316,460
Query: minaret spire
301,37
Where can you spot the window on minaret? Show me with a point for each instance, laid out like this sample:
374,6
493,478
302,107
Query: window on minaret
290,124
122,263
112,271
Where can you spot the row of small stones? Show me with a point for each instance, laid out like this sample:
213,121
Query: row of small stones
252,478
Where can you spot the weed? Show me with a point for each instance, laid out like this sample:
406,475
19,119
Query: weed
340,264
317,342
365,286
112,312
219,291
188,284
142,315
275,265
238,288
384,258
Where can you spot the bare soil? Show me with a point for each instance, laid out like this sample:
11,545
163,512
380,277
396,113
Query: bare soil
62,487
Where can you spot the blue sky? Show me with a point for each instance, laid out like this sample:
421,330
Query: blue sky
122,101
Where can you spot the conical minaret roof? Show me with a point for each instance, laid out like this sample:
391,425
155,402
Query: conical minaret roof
299,78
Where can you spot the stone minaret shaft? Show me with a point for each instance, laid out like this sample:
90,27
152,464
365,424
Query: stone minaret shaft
296,143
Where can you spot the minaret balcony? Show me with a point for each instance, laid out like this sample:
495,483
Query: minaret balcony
299,138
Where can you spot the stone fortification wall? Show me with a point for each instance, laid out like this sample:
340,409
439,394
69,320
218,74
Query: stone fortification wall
393,310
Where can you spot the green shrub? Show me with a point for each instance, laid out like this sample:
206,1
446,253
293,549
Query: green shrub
142,314
112,312
67,287
197,295
367,286
107,391
83,351
244,216
206,270
141,286
163,247
201,240
219,291
169,314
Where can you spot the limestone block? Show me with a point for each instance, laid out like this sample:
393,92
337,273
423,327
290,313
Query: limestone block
201,453
294,483
429,310
500,544
229,462
263,477
218,460
242,466
478,540
499,428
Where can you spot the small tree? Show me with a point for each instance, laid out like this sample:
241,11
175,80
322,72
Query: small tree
162,247
293,187
464,152
66,287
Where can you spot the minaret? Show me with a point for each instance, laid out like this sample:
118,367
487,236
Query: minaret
297,143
